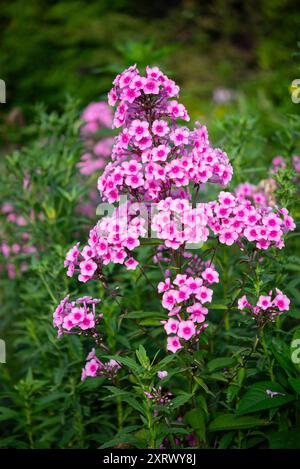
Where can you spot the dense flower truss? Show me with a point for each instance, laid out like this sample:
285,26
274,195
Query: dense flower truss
260,196
97,116
154,154
95,367
77,316
178,223
158,163
111,240
9,248
184,298
235,221
268,307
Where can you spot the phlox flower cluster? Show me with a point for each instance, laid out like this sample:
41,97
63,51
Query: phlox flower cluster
158,396
267,307
184,298
296,163
97,116
77,316
154,154
257,195
9,248
279,162
177,223
235,221
95,367
111,241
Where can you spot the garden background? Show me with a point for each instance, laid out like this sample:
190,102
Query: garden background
235,63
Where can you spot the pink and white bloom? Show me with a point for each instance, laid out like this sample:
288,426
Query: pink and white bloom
169,299
88,268
171,326
210,275
160,127
204,294
264,302
186,330
173,344
281,301
243,302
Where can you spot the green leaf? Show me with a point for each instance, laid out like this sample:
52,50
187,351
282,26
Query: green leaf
218,306
226,440
257,398
219,363
129,362
232,422
142,357
284,440
295,383
282,355
163,363
7,414
145,315
203,385
180,400
197,420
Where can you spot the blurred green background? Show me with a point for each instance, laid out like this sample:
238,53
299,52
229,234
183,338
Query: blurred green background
52,48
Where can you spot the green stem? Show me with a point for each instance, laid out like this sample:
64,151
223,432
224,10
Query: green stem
151,427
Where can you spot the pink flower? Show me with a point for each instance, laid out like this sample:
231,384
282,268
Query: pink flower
134,181
137,82
173,344
151,86
88,322
160,128
91,368
228,237
160,153
171,326
243,302
281,301
88,252
169,299
264,302
194,284
180,280
197,312
204,294
131,264
88,268
164,286
210,275
139,129
73,253
77,315
227,199
252,233
186,329
180,136
162,374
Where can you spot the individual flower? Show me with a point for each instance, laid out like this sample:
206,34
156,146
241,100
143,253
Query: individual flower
162,374
186,330
173,344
